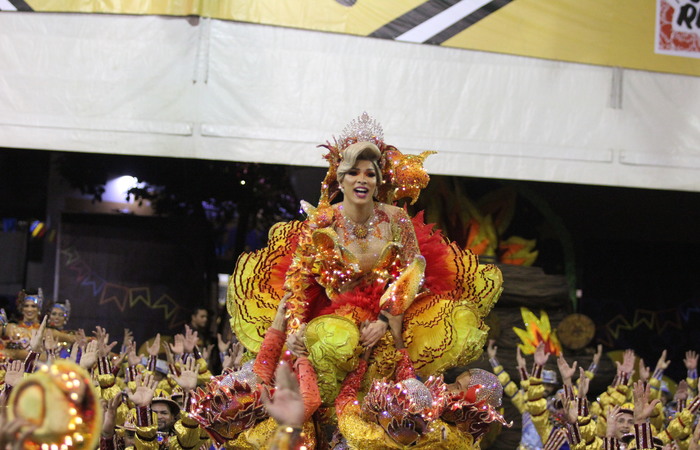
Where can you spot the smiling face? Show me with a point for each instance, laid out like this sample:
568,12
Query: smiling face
359,183
625,424
30,311
57,318
166,418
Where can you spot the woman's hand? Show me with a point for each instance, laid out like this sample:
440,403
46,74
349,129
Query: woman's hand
372,333
295,343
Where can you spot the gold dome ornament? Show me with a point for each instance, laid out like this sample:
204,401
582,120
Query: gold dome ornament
576,331
61,403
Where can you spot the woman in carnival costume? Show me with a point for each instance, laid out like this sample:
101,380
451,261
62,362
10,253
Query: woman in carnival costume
351,260
19,333
63,339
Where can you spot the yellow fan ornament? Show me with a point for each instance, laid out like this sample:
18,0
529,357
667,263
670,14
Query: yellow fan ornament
537,330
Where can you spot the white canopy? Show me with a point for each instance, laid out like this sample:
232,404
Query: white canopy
203,88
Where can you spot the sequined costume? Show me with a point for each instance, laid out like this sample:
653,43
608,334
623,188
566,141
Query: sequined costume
338,274
229,407
361,432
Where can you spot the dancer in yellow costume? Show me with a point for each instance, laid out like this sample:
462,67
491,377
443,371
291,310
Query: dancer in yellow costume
354,258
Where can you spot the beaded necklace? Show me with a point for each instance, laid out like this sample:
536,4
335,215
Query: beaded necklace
359,233
360,230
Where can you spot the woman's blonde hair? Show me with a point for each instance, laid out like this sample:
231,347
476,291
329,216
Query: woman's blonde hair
360,151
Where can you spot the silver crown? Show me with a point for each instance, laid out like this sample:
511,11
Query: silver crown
362,129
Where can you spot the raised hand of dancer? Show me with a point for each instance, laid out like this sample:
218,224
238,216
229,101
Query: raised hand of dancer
81,338
50,343
222,345
144,391
187,379
131,357
35,342
178,345
691,360
596,356
206,351
681,394
570,410
128,338
287,405
89,356
237,353
643,408
583,383
627,366
644,370
190,341
109,418
154,348
14,372
540,355
492,349
519,358
279,322
567,371
663,363
613,417
103,344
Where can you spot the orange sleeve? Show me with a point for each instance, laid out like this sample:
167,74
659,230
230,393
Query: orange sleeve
266,362
308,384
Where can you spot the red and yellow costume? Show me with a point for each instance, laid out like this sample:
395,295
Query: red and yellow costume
338,274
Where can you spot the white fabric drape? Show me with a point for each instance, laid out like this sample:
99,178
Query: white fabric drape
202,88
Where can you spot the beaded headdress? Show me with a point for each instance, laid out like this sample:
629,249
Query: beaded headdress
406,408
37,298
65,307
474,409
229,404
403,175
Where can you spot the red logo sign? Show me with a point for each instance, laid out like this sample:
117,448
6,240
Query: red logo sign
678,27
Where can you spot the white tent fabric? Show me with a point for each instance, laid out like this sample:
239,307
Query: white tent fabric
202,88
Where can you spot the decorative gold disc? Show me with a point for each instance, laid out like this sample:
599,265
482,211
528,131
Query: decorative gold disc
576,331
